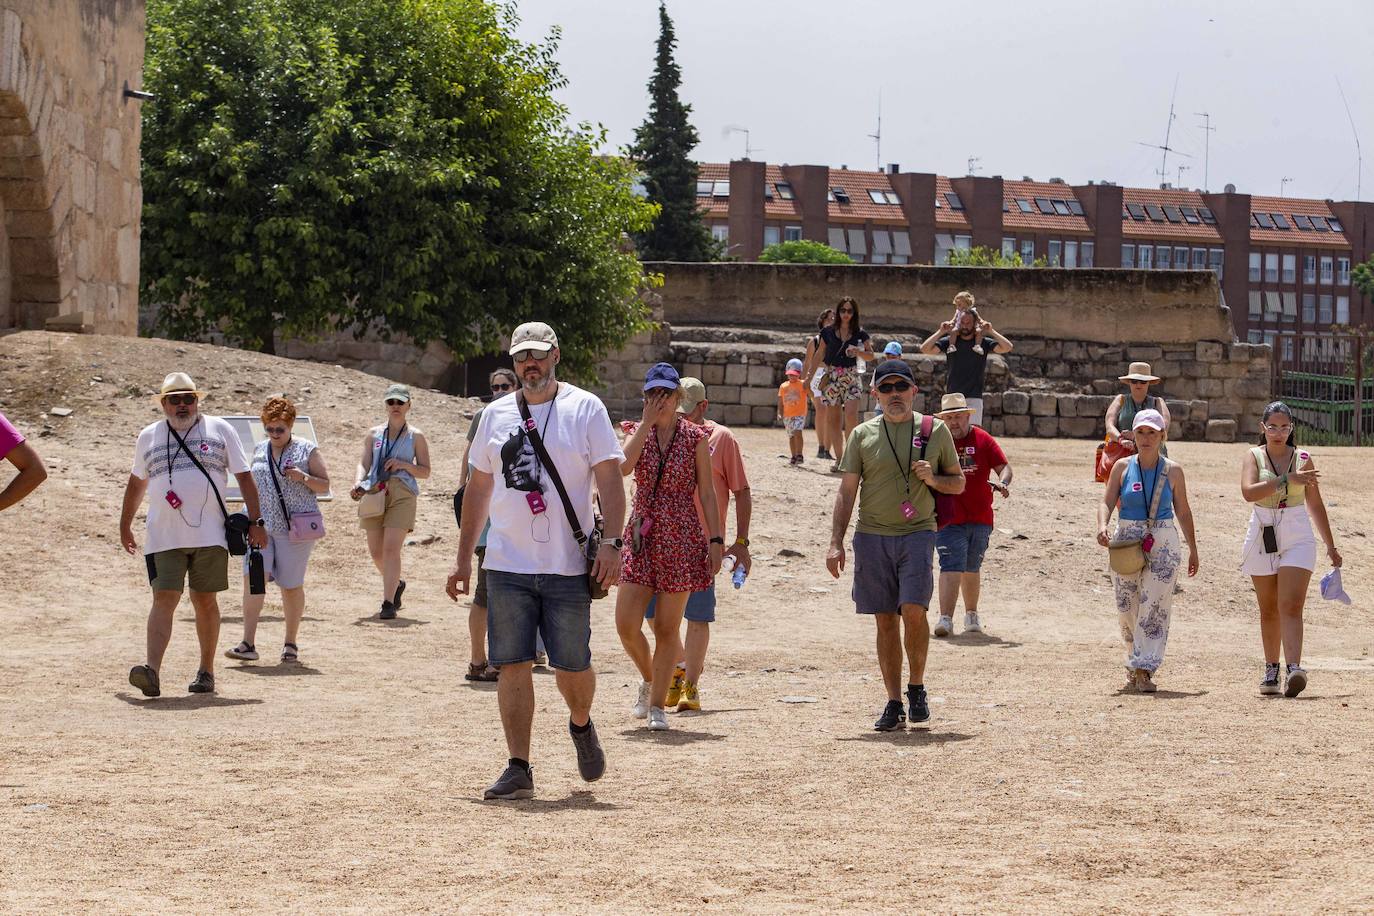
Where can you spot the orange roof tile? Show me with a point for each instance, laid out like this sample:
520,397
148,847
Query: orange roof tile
1151,228
944,216
1295,237
1013,218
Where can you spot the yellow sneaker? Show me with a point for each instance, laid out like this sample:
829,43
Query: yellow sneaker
675,686
691,700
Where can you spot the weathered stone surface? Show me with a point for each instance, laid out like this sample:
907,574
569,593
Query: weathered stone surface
1227,370
1105,386
1046,427
712,374
761,375
755,397
1209,351
1015,402
1148,354
1067,405
736,415
1079,427
1093,405
994,426
992,404
1221,430
724,394
736,374
1016,424
1176,408
1210,387
1197,411
763,416
1042,404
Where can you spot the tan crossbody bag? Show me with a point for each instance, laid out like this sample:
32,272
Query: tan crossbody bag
1127,555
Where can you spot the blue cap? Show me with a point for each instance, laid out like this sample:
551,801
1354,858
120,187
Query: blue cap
893,348
794,365
661,375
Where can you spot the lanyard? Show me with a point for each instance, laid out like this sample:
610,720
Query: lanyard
1148,491
388,446
181,445
1283,500
662,460
910,451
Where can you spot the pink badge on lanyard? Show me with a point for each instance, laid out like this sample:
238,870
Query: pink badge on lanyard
536,501
908,510
1147,542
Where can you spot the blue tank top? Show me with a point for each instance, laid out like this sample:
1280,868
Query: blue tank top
384,447
1137,489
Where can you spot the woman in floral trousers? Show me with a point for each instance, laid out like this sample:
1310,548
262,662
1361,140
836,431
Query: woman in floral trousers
1143,601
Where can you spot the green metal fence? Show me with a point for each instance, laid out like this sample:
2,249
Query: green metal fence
1329,388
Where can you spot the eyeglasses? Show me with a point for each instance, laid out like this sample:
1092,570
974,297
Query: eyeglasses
889,387
531,354
394,402
276,430
177,400
1275,428
503,386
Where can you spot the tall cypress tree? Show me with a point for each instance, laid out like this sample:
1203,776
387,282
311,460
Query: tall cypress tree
663,144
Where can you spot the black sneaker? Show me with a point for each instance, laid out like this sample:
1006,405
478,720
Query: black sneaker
388,611
1269,687
400,590
591,759
145,679
515,783
893,716
204,683
916,697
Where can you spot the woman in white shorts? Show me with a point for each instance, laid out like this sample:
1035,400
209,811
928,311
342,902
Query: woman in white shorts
1280,551
813,369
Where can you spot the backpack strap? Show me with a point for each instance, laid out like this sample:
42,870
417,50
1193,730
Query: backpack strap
927,426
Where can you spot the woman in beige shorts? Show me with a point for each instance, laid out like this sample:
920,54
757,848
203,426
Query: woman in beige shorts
395,459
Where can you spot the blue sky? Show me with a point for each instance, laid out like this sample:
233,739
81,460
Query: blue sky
1045,89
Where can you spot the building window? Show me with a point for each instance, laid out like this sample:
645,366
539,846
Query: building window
1008,248
791,233
1199,259
1326,271
901,246
892,198
1163,257
1309,268
954,202
835,238
1144,257
963,242
1271,267
1272,304
1216,259
1309,308
858,245
771,236
1128,256
721,232
1027,252
1254,266
1323,309
704,188
1343,271
1180,259
1342,310
1255,337
1255,306
1070,254
720,189
784,190
1290,305
943,243
882,246
1056,247
1287,344
1290,268
1085,254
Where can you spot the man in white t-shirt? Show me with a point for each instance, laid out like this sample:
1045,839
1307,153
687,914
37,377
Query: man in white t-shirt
185,530
537,579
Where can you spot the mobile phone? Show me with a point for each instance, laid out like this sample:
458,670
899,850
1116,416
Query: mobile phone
1271,540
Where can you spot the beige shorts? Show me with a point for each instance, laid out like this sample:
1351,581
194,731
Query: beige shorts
400,510
207,568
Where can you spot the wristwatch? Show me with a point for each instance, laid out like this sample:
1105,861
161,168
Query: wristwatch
742,542
617,543
261,523
718,540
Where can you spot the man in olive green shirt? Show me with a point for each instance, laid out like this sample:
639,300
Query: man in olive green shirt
894,473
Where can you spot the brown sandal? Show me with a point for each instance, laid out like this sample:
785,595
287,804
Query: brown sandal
482,673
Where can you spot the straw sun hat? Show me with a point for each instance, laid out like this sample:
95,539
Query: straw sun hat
178,383
1140,372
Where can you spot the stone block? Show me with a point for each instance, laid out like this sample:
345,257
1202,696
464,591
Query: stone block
1165,369
1015,402
1248,388
695,369
1074,349
1227,370
992,405
736,374
1079,427
1148,354
1067,404
1210,387
712,374
1029,347
1016,424
1046,427
1209,351
1177,409
760,375
723,394
638,370
1051,349
1058,370
1197,411
1042,404
763,416
1093,405
993,426
1225,409
758,397
1105,386
736,415
1221,431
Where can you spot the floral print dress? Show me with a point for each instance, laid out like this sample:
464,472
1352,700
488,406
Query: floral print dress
674,556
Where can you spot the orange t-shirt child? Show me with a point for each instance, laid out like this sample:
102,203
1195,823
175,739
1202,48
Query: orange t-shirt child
792,402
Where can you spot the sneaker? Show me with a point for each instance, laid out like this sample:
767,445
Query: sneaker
944,626
894,715
1297,681
244,651
920,710
591,759
675,686
657,720
835,468
691,698
515,783
822,454
1144,681
400,590
388,611
541,660
145,679
1269,687
641,707
971,624
204,683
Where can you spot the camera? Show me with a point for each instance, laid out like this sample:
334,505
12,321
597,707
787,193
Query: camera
236,533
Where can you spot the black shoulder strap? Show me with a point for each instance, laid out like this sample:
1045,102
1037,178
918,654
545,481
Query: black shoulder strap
272,469
532,433
189,454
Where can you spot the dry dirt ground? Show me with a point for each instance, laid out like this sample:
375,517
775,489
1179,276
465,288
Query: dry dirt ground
351,782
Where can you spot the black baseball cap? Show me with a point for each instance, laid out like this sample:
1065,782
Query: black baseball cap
890,367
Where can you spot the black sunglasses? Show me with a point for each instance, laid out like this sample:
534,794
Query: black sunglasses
502,387
394,402
889,387
178,400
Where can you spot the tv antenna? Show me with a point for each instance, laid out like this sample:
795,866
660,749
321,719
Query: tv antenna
1283,183
973,164
877,136
1181,170
749,151
1207,129
1359,156
1163,171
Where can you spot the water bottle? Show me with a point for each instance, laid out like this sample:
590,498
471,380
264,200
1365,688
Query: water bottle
737,573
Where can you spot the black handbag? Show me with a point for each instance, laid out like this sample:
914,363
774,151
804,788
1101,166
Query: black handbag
236,525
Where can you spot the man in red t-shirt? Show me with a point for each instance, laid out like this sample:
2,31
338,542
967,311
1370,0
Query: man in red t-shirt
966,519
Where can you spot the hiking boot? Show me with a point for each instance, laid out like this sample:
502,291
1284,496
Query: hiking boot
1269,687
591,759
515,783
916,698
944,626
204,683
675,686
1144,681
641,707
658,721
691,698
145,679
388,611
1297,681
894,715
400,590
244,651
971,623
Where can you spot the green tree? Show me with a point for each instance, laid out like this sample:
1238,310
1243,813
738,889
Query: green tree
983,256
385,166
663,146
804,252
1363,278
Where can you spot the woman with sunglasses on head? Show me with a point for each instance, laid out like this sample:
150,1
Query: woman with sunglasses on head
813,369
289,473
844,344
1280,552
395,459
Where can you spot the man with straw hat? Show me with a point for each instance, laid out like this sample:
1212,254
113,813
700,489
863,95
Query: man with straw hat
1121,416
180,462
966,519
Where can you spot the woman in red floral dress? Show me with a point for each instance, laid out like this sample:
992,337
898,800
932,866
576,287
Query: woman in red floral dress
665,554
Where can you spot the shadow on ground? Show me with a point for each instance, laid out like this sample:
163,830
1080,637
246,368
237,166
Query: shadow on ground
189,701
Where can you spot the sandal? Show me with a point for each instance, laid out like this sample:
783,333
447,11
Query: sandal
482,673
289,652
244,651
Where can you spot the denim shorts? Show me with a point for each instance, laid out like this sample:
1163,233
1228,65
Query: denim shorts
522,606
891,570
961,547
284,561
701,606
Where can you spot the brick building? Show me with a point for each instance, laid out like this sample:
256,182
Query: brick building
1284,263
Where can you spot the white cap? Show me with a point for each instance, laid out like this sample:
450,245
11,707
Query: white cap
1151,418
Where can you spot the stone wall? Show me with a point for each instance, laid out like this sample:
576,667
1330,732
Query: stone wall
69,163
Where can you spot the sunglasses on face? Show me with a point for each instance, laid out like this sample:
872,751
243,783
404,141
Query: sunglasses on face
502,386
889,387
524,355
394,402
178,400
276,430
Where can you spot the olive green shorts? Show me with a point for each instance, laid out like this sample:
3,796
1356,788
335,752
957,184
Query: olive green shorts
208,568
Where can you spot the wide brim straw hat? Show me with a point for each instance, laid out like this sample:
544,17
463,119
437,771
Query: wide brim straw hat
953,403
178,383
1139,372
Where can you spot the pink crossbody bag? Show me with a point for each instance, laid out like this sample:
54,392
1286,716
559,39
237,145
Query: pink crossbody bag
300,526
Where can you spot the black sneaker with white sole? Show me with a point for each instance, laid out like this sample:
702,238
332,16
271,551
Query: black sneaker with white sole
920,710
591,759
515,783
893,717
1269,687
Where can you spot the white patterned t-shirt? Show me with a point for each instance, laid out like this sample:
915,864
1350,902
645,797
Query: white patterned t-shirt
197,520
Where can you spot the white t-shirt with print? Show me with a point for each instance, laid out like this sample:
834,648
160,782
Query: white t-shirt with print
578,435
198,522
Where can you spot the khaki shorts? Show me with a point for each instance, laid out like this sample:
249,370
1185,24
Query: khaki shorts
400,510
208,568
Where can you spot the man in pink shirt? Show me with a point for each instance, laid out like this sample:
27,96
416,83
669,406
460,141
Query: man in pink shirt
22,455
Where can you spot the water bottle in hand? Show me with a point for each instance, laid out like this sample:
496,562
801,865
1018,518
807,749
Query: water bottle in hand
737,573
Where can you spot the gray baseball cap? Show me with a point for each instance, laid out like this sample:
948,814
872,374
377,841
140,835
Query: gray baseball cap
533,335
